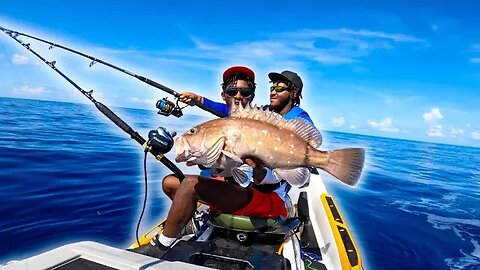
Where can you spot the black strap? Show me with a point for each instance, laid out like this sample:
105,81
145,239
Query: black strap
267,188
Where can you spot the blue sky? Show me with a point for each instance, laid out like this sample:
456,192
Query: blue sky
399,69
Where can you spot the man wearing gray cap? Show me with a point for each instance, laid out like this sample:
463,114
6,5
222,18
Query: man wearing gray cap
285,95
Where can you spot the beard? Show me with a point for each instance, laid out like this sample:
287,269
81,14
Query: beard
279,104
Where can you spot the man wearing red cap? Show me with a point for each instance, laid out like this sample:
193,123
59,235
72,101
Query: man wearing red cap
238,87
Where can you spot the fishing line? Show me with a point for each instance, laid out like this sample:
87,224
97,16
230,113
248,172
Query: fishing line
101,107
160,140
145,197
95,60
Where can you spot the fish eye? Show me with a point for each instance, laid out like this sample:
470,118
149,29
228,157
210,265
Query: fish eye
192,131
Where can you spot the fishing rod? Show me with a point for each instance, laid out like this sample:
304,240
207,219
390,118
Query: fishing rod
160,140
166,107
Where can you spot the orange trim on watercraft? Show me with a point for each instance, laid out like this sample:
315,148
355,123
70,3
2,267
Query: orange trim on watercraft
280,250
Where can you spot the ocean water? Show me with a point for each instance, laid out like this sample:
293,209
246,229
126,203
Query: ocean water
67,174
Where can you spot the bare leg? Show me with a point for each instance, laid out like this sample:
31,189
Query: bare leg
194,188
183,207
170,185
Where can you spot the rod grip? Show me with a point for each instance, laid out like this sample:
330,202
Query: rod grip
157,85
125,127
119,122
178,173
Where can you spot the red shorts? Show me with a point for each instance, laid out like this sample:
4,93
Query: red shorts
265,205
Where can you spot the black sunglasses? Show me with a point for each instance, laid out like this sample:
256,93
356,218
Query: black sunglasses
279,88
233,91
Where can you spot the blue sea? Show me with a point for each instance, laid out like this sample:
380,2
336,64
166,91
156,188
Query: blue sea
67,174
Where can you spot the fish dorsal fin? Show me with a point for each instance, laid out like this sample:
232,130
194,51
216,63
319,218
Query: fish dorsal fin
306,131
299,126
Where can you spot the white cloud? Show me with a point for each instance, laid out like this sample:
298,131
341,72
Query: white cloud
475,60
385,125
346,47
338,121
345,34
432,116
475,135
353,126
29,90
435,131
19,59
454,132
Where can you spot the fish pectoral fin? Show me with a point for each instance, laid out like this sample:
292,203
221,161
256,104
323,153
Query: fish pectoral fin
295,177
212,154
243,175
232,156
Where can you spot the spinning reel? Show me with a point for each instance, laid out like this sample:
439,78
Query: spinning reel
167,108
161,140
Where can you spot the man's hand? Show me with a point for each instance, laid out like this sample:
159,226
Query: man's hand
259,170
190,98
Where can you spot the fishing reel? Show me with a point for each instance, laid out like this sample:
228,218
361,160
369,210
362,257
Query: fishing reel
167,108
161,140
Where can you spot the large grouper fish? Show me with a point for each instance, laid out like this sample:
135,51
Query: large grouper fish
288,147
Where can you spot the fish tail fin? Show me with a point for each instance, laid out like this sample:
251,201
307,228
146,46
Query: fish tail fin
345,164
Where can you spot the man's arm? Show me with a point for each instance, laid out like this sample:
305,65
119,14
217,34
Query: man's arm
213,107
218,107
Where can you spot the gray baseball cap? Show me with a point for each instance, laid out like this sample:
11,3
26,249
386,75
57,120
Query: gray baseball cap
288,76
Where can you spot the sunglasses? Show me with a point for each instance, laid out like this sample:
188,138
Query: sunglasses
233,91
279,88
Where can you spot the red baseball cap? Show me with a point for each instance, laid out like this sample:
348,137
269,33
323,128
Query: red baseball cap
238,70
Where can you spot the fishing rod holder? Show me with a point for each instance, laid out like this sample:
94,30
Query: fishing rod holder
161,140
167,108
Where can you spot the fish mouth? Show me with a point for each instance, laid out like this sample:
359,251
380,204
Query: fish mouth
186,156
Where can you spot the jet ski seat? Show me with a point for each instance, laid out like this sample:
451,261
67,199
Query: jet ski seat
257,224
